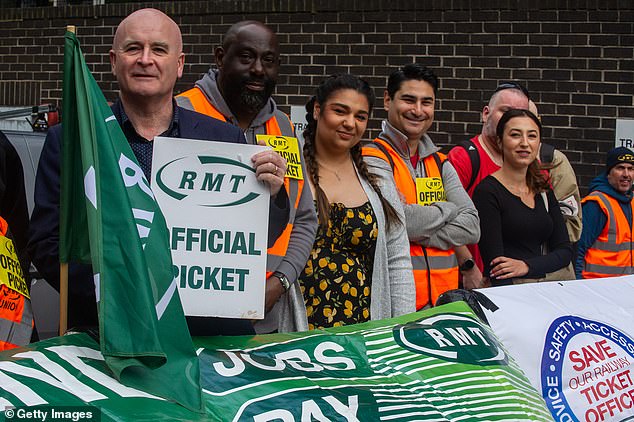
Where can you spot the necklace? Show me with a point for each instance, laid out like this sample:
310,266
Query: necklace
335,172
516,189
519,191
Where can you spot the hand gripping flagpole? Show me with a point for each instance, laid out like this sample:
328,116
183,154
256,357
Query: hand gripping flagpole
63,270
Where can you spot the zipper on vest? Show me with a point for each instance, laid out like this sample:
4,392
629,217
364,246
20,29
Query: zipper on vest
429,295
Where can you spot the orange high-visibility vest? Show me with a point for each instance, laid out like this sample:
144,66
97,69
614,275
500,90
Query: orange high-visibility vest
294,187
435,270
611,253
16,315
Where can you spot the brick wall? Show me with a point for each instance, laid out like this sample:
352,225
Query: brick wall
575,56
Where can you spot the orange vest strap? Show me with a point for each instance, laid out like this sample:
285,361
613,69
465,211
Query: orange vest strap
272,127
403,178
433,164
367,151
201,104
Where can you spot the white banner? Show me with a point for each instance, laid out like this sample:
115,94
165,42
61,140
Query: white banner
217,215
574,340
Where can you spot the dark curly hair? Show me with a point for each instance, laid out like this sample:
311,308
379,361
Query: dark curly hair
325,89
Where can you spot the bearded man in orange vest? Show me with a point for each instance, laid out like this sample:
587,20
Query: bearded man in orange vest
605,246
439,215
239,92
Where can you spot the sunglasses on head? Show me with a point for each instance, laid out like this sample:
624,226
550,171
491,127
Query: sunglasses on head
512,85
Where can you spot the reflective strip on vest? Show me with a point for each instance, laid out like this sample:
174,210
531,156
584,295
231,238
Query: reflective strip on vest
609,247
606,270
435,262
293,187
611,253
17,333
419,263
435,270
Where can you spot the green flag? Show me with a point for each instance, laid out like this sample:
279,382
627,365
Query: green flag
109,218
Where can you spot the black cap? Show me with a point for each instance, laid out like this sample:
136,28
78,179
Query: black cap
617,156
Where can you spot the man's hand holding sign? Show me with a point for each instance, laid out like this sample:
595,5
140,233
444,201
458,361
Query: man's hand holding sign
269,168
217,210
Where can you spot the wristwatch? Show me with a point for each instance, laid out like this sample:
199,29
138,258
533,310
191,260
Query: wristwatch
466,265
283,280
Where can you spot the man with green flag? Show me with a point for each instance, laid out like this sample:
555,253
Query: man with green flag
108,214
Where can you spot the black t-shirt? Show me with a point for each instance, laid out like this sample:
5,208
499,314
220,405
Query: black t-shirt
512,229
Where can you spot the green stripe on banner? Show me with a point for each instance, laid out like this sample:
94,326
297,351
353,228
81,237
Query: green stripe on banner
440,364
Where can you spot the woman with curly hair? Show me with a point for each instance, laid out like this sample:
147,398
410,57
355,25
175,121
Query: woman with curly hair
359,268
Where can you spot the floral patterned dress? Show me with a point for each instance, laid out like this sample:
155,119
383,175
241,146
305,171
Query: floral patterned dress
337,277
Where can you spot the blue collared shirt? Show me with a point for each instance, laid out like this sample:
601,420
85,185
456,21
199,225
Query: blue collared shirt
141,147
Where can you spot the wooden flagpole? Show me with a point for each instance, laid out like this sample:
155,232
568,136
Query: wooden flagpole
63,271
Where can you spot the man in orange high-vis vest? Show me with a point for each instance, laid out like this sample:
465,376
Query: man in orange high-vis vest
239,92
439,215
16,315
605,246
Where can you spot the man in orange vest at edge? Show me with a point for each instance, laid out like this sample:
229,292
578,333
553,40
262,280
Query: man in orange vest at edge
439,215
605,246
16,314
239,92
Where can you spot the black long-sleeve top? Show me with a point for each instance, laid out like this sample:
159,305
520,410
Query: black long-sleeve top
512,229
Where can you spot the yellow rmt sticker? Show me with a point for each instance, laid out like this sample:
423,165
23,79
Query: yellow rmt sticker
10,269
288,148
430,190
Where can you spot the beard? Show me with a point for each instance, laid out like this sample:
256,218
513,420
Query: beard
254,101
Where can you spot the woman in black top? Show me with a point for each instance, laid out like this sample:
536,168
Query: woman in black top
523,231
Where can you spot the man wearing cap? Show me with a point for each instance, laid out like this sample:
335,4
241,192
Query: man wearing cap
605,247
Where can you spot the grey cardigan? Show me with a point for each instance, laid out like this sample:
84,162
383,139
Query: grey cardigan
393,291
